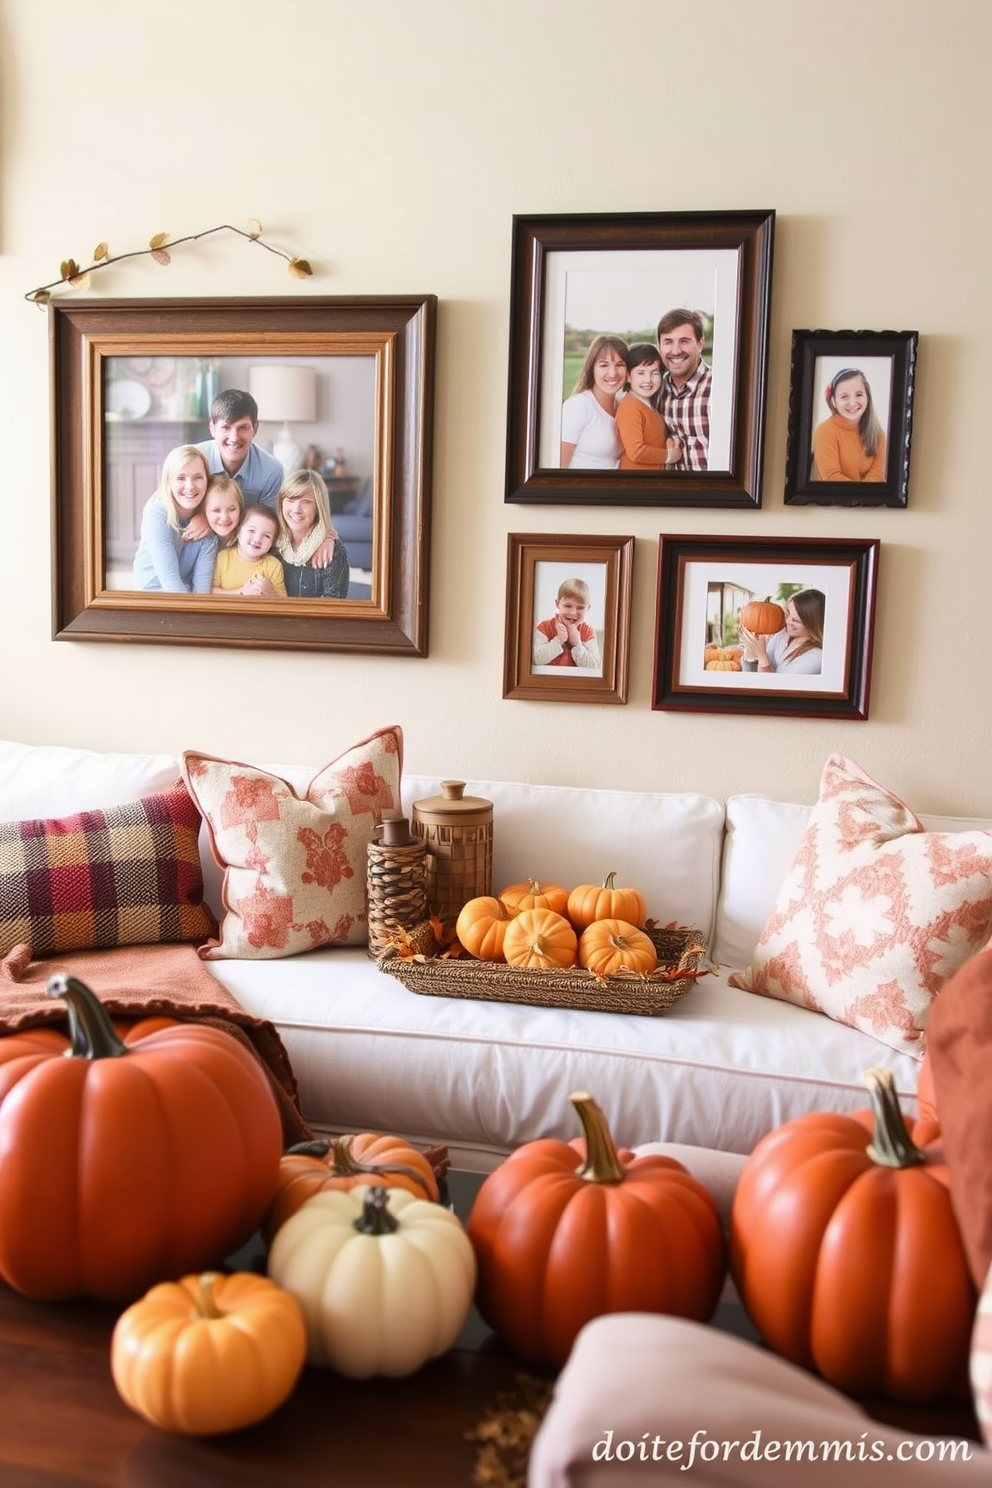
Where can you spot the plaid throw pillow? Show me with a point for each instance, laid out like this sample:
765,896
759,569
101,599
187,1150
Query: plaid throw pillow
128,875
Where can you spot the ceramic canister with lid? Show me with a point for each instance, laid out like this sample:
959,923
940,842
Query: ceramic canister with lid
458,832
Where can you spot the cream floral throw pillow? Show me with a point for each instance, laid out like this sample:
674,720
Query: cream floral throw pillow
875,913
295,865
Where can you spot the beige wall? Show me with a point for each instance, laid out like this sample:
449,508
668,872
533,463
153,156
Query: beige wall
391,142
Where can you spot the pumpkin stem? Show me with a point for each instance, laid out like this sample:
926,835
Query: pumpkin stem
610,881
91,1033
602,1165
318,1147
346,1165
343,1164
375,1218
206,1307
891,1146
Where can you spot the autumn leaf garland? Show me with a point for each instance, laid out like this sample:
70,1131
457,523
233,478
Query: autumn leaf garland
72,276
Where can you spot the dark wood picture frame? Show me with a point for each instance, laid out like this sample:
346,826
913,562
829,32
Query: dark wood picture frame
886,362
605,564
703,583
396,332
730,250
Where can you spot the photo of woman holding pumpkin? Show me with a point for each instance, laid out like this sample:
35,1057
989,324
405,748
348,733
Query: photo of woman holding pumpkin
790,641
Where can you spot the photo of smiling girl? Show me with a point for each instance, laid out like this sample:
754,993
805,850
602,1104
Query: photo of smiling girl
644,435
849,445
223,508
249,568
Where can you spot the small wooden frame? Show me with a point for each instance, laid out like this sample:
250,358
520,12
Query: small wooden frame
548,579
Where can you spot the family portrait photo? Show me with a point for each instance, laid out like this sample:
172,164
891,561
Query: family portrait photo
244,472
249,477
637,358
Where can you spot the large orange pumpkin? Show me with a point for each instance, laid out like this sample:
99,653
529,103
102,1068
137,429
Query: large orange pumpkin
605,901
540,939
534,895
847,1254
128,1162
344,1163
559,1243
763,617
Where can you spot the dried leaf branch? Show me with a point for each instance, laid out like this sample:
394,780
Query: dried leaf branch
71,275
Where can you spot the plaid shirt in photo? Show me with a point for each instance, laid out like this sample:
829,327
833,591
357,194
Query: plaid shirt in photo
686,411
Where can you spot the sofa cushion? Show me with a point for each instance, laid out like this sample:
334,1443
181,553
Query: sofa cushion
46,780
875,913
127,875
294,864
720,1069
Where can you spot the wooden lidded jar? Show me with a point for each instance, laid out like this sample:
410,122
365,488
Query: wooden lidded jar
458,832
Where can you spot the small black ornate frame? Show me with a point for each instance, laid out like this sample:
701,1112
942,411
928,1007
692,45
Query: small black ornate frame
887,360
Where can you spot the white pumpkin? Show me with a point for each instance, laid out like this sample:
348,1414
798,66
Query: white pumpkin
385,1280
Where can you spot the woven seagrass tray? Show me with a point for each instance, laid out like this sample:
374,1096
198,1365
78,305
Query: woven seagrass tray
574,987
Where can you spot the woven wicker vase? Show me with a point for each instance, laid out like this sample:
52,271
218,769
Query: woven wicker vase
397,883
458,833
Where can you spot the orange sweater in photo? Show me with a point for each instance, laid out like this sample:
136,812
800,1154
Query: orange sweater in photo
642,433
838,454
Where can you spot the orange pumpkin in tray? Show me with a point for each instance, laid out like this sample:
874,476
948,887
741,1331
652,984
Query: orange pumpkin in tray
535,895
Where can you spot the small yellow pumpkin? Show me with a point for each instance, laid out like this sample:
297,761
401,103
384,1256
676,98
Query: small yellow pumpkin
481,926
607,947
540,939
605,901
535,895
209,1353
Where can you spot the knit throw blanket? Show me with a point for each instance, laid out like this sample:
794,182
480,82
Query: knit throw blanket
146,981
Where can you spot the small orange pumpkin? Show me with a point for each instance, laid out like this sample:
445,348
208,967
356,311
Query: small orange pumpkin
540,939
607,947
723,666
605,901
481,926
344,1163
763,617
535,895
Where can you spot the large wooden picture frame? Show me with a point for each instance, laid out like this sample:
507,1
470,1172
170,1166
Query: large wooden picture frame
547,577
576,280
704,586
126,388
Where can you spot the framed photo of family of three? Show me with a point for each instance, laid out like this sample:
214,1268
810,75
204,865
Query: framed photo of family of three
638,347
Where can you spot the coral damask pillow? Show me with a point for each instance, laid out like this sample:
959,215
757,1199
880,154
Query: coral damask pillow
875,913
126,875
295,866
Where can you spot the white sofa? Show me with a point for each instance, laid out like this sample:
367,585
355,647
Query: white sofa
718,1070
